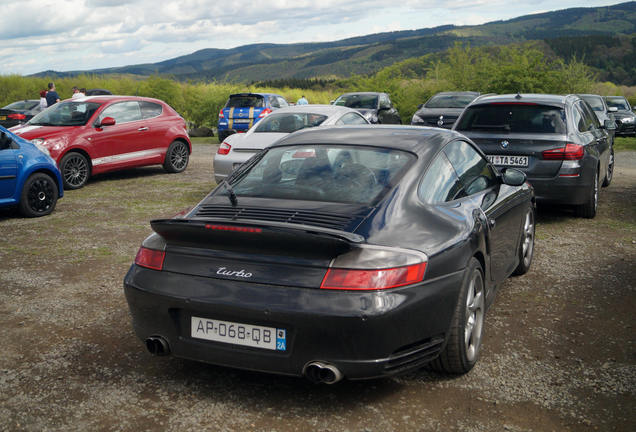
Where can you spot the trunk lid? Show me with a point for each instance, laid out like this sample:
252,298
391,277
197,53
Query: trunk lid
524,145
256,243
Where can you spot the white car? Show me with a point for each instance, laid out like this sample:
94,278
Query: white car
238,148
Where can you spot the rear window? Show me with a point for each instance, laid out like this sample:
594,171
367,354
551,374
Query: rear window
449,101
288,123
247,101
619,103
519,118
596,102
331,173
358,101
22,105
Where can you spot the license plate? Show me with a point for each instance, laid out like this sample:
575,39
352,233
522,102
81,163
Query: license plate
508,160
241,120
239,334
3,117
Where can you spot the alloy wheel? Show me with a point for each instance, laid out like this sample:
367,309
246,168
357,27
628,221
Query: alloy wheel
474,316
75,171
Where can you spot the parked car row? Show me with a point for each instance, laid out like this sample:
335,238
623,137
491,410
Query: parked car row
87,136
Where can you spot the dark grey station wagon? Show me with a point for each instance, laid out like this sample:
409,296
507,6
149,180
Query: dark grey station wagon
556,140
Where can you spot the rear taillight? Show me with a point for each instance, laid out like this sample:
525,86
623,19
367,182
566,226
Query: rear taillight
376,279
221,115
224,149
16,116
569,152
150,258
264,112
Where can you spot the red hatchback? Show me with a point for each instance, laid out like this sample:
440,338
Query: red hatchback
96,134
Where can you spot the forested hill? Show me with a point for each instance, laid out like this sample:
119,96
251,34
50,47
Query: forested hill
602,37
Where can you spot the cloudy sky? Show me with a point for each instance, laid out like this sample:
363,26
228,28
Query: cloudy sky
62,35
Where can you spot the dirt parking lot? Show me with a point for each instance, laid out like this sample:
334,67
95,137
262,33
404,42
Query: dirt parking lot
558,352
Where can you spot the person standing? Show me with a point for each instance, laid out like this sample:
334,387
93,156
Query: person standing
43,103
76,93
51,96
302,101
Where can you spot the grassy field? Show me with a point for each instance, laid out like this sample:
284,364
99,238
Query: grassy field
625,143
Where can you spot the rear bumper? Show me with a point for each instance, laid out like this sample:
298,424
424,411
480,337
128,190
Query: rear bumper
364,334
563,190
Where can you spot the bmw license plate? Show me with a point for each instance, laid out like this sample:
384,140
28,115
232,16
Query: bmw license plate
239,334
508,160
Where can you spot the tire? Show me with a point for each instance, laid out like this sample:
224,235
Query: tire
222,135
588,209
177,157
39,195
610,169
464,339
75,170
526,244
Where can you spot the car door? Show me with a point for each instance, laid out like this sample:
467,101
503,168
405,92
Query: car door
599,138
154,137
499,211
8,167
119,145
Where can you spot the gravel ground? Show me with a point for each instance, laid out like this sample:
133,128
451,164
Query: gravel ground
558,351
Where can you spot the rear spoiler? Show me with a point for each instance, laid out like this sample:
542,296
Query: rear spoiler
197,224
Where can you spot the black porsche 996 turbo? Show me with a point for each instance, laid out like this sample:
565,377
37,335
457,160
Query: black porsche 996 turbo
344,252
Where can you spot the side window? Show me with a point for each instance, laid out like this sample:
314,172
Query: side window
6,142
122,112
282,102
351,119
273,101
440,183
578,119
150,109
472,169
591,118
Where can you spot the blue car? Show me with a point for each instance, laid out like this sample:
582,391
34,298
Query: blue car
29,178
242,110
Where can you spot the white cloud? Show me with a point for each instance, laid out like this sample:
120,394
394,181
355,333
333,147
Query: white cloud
38,35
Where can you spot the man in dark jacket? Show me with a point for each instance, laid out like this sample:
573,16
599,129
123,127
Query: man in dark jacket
51,96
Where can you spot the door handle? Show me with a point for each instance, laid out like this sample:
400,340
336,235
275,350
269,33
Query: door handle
141,129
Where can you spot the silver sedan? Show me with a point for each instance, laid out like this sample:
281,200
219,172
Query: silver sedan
238,148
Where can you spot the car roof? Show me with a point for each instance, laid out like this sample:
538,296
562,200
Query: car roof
551,99
254,94
328,110
417,139
457,93
362,93
111,98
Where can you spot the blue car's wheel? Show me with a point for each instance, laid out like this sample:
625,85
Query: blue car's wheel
39,195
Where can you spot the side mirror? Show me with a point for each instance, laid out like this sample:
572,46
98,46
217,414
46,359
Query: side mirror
107,121
513,177
612,109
